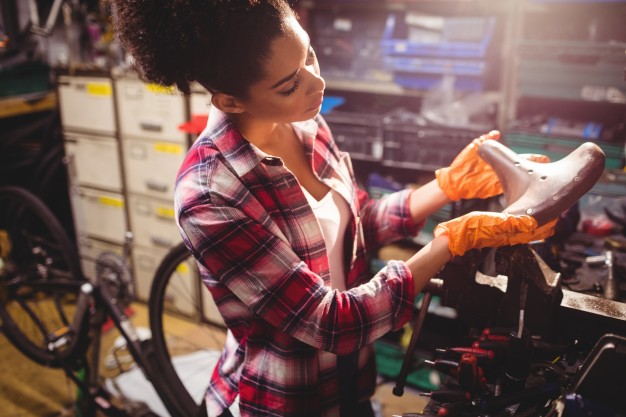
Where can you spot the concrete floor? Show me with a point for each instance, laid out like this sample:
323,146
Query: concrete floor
30,390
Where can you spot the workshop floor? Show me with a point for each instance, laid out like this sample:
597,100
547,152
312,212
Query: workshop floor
31,390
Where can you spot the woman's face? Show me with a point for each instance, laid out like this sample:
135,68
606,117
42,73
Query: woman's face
292,89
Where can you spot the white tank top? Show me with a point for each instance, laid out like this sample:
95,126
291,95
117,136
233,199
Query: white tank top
332,213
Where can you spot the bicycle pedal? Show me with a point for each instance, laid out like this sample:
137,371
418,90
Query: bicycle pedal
59,338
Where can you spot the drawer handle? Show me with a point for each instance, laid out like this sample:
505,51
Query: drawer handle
156,186
159,241
150,127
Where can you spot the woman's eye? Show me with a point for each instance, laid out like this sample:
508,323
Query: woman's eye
289,92
311,57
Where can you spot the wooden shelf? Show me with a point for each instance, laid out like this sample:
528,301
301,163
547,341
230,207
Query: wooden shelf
28,103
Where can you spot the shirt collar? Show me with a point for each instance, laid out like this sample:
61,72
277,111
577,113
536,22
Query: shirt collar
241,154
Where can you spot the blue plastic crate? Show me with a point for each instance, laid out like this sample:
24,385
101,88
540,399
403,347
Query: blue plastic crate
461,37
348,44
578,1
436,66
429,81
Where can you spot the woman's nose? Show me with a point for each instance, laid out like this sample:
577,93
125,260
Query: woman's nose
317,82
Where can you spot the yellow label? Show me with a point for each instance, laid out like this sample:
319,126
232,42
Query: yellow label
182,268
167,212
168,148
160,89
98,89
110,201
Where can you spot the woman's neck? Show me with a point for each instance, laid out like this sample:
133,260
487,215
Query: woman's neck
267,136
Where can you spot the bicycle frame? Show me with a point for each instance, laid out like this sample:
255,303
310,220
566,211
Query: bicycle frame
95,303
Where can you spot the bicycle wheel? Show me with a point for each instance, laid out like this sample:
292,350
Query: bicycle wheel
186,344
40,277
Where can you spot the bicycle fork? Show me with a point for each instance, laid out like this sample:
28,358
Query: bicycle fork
76,367
140,349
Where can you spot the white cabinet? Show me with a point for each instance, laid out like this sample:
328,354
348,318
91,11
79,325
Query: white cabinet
99,214
150,111
86,104
209,308
94,161
199,103
151,166
183,289
91,249
145,263
153,222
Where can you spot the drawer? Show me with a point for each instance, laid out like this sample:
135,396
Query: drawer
153,222
151,166
86,104
209,308
89,250
99,214
199,103
94,161
184,286
150,111
146,261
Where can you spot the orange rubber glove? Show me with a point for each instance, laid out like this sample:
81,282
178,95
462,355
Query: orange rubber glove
489,230
469,176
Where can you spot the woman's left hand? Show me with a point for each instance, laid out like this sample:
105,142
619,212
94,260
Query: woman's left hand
469,176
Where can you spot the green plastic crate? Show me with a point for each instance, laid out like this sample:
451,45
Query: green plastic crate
591,71
28,78
557,147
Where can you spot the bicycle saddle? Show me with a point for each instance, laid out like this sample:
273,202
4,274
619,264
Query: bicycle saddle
543,190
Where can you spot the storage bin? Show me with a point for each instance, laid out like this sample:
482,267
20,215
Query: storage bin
408,144
421,50
24,79
360,134
408,34
559,147
577,1
347,44
572,71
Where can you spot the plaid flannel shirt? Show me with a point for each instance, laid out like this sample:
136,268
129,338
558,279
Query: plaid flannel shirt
261,254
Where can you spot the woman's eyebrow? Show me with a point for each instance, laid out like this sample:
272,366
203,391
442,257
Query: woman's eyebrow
285,79
290,76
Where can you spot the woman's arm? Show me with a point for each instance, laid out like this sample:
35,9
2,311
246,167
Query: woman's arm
426,200
425,264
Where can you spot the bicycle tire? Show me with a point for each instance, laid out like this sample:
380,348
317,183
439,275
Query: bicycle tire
175,303
40,277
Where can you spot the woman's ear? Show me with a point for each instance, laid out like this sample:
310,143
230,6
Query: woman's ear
226,103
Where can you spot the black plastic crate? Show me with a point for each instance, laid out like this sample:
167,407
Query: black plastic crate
360,134
409,145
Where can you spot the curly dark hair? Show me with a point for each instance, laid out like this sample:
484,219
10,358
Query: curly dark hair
221,44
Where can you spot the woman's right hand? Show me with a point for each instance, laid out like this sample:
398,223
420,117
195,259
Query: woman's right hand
488,229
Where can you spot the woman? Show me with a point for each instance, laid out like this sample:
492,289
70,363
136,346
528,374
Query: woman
268,206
